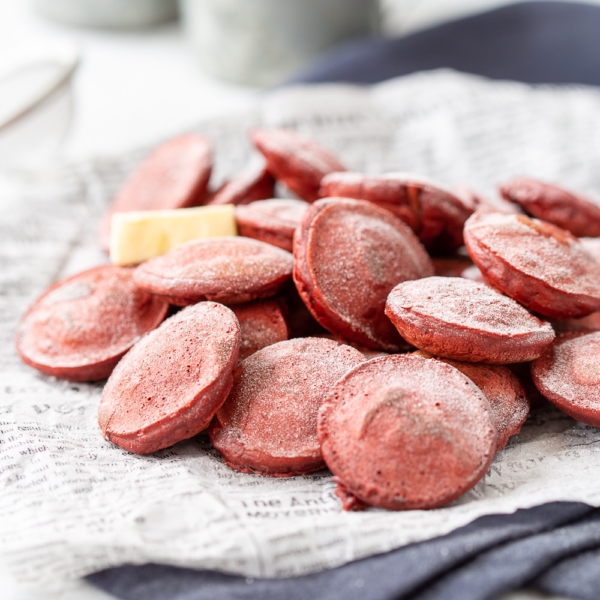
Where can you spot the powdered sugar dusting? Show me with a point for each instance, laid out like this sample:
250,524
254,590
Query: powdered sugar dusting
535,249
285,212
296,159
506,395
174,175
261,324
291,145
89,318
214,266
554,204
251,184
170,369
433,212
406,432
277,392
72,290
466,304
570,370
356,255
273,221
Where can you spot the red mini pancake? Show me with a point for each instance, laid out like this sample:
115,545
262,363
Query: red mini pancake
175,175
262,324
255,183
568,375
231,270
79,328
464,320
296,160
554,204
349,255
505,393
584,324
435,214
477,202
536,263
404,432
171,383
366,352
452,266
268,424
272,221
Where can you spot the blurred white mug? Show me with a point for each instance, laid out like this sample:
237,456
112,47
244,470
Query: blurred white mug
260,42
111,14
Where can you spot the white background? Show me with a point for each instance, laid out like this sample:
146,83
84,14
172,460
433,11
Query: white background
132,88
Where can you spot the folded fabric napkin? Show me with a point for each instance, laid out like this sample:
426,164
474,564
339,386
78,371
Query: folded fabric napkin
533,42
554,547
550,547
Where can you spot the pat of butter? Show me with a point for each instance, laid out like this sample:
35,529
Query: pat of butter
139,235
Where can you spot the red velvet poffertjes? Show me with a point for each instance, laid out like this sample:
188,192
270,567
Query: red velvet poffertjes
80,328
568,375
349,254
261,323
435,214
505,393
543,267
507,397
272,221
405,432
174,175
168,387
554,204
254,183
231,270
465,320
295,159
268,424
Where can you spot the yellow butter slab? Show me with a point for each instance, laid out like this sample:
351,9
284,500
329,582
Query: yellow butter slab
139,235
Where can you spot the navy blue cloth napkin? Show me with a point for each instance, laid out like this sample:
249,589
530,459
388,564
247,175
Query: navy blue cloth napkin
533,42
554,547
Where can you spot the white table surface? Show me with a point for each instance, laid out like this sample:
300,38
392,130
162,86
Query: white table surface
132,88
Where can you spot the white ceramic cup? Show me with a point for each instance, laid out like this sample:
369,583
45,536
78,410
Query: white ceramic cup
112,14
260,42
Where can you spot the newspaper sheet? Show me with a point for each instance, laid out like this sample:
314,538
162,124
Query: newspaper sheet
71,503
